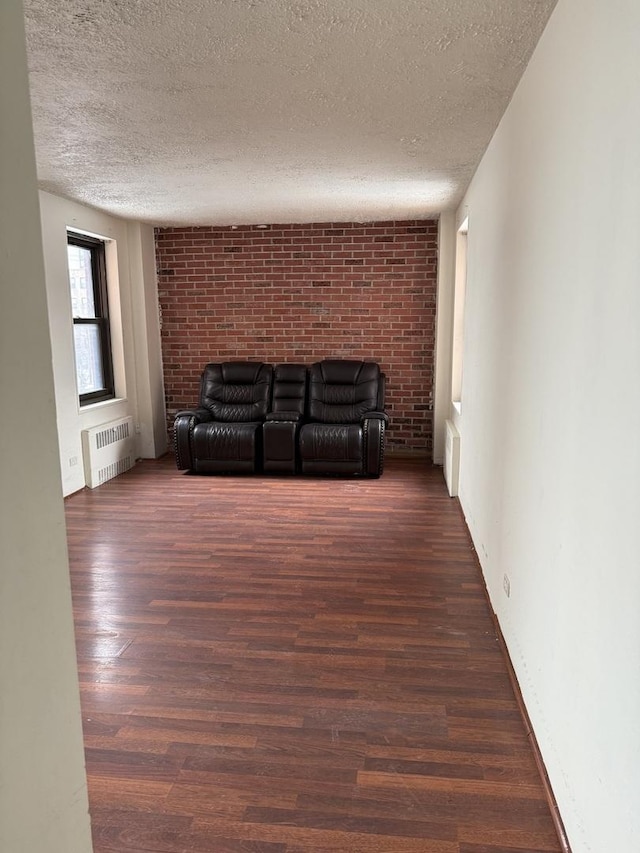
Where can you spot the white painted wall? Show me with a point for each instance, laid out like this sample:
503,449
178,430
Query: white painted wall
134,324
551,416
43,788
148,355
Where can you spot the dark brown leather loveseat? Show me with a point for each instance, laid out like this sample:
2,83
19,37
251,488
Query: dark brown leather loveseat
328,418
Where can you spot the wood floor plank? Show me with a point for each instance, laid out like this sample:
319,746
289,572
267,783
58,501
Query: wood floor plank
293,665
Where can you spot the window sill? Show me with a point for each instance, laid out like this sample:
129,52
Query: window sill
103,404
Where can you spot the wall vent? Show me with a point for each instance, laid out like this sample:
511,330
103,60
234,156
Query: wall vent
107,450
452,458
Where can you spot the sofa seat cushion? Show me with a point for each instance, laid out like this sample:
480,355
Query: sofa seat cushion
333,448
226,446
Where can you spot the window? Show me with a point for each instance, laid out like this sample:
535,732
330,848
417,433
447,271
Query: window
458,313
90,310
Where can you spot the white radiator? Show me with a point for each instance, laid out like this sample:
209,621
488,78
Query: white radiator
107,450
452,458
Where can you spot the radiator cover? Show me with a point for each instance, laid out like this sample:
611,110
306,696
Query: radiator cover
108,450
452,458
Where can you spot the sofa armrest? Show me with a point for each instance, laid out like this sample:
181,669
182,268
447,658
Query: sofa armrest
295,417
373,427
201,415
183,427
380,416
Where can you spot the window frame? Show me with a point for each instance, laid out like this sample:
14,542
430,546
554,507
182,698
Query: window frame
101,318
459,302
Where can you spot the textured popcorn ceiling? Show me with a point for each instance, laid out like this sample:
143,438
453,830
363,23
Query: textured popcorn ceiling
256,111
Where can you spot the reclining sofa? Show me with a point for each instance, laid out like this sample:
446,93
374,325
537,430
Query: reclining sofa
252,417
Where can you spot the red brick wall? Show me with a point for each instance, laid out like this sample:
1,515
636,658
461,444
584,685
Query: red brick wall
300,293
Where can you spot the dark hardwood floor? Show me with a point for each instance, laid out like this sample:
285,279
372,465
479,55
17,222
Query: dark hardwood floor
293,665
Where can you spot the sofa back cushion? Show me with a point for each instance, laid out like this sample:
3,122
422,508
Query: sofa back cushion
342,390
289,388
237,391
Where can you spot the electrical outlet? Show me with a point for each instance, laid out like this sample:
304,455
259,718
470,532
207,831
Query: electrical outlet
73,460
138,429
506,585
